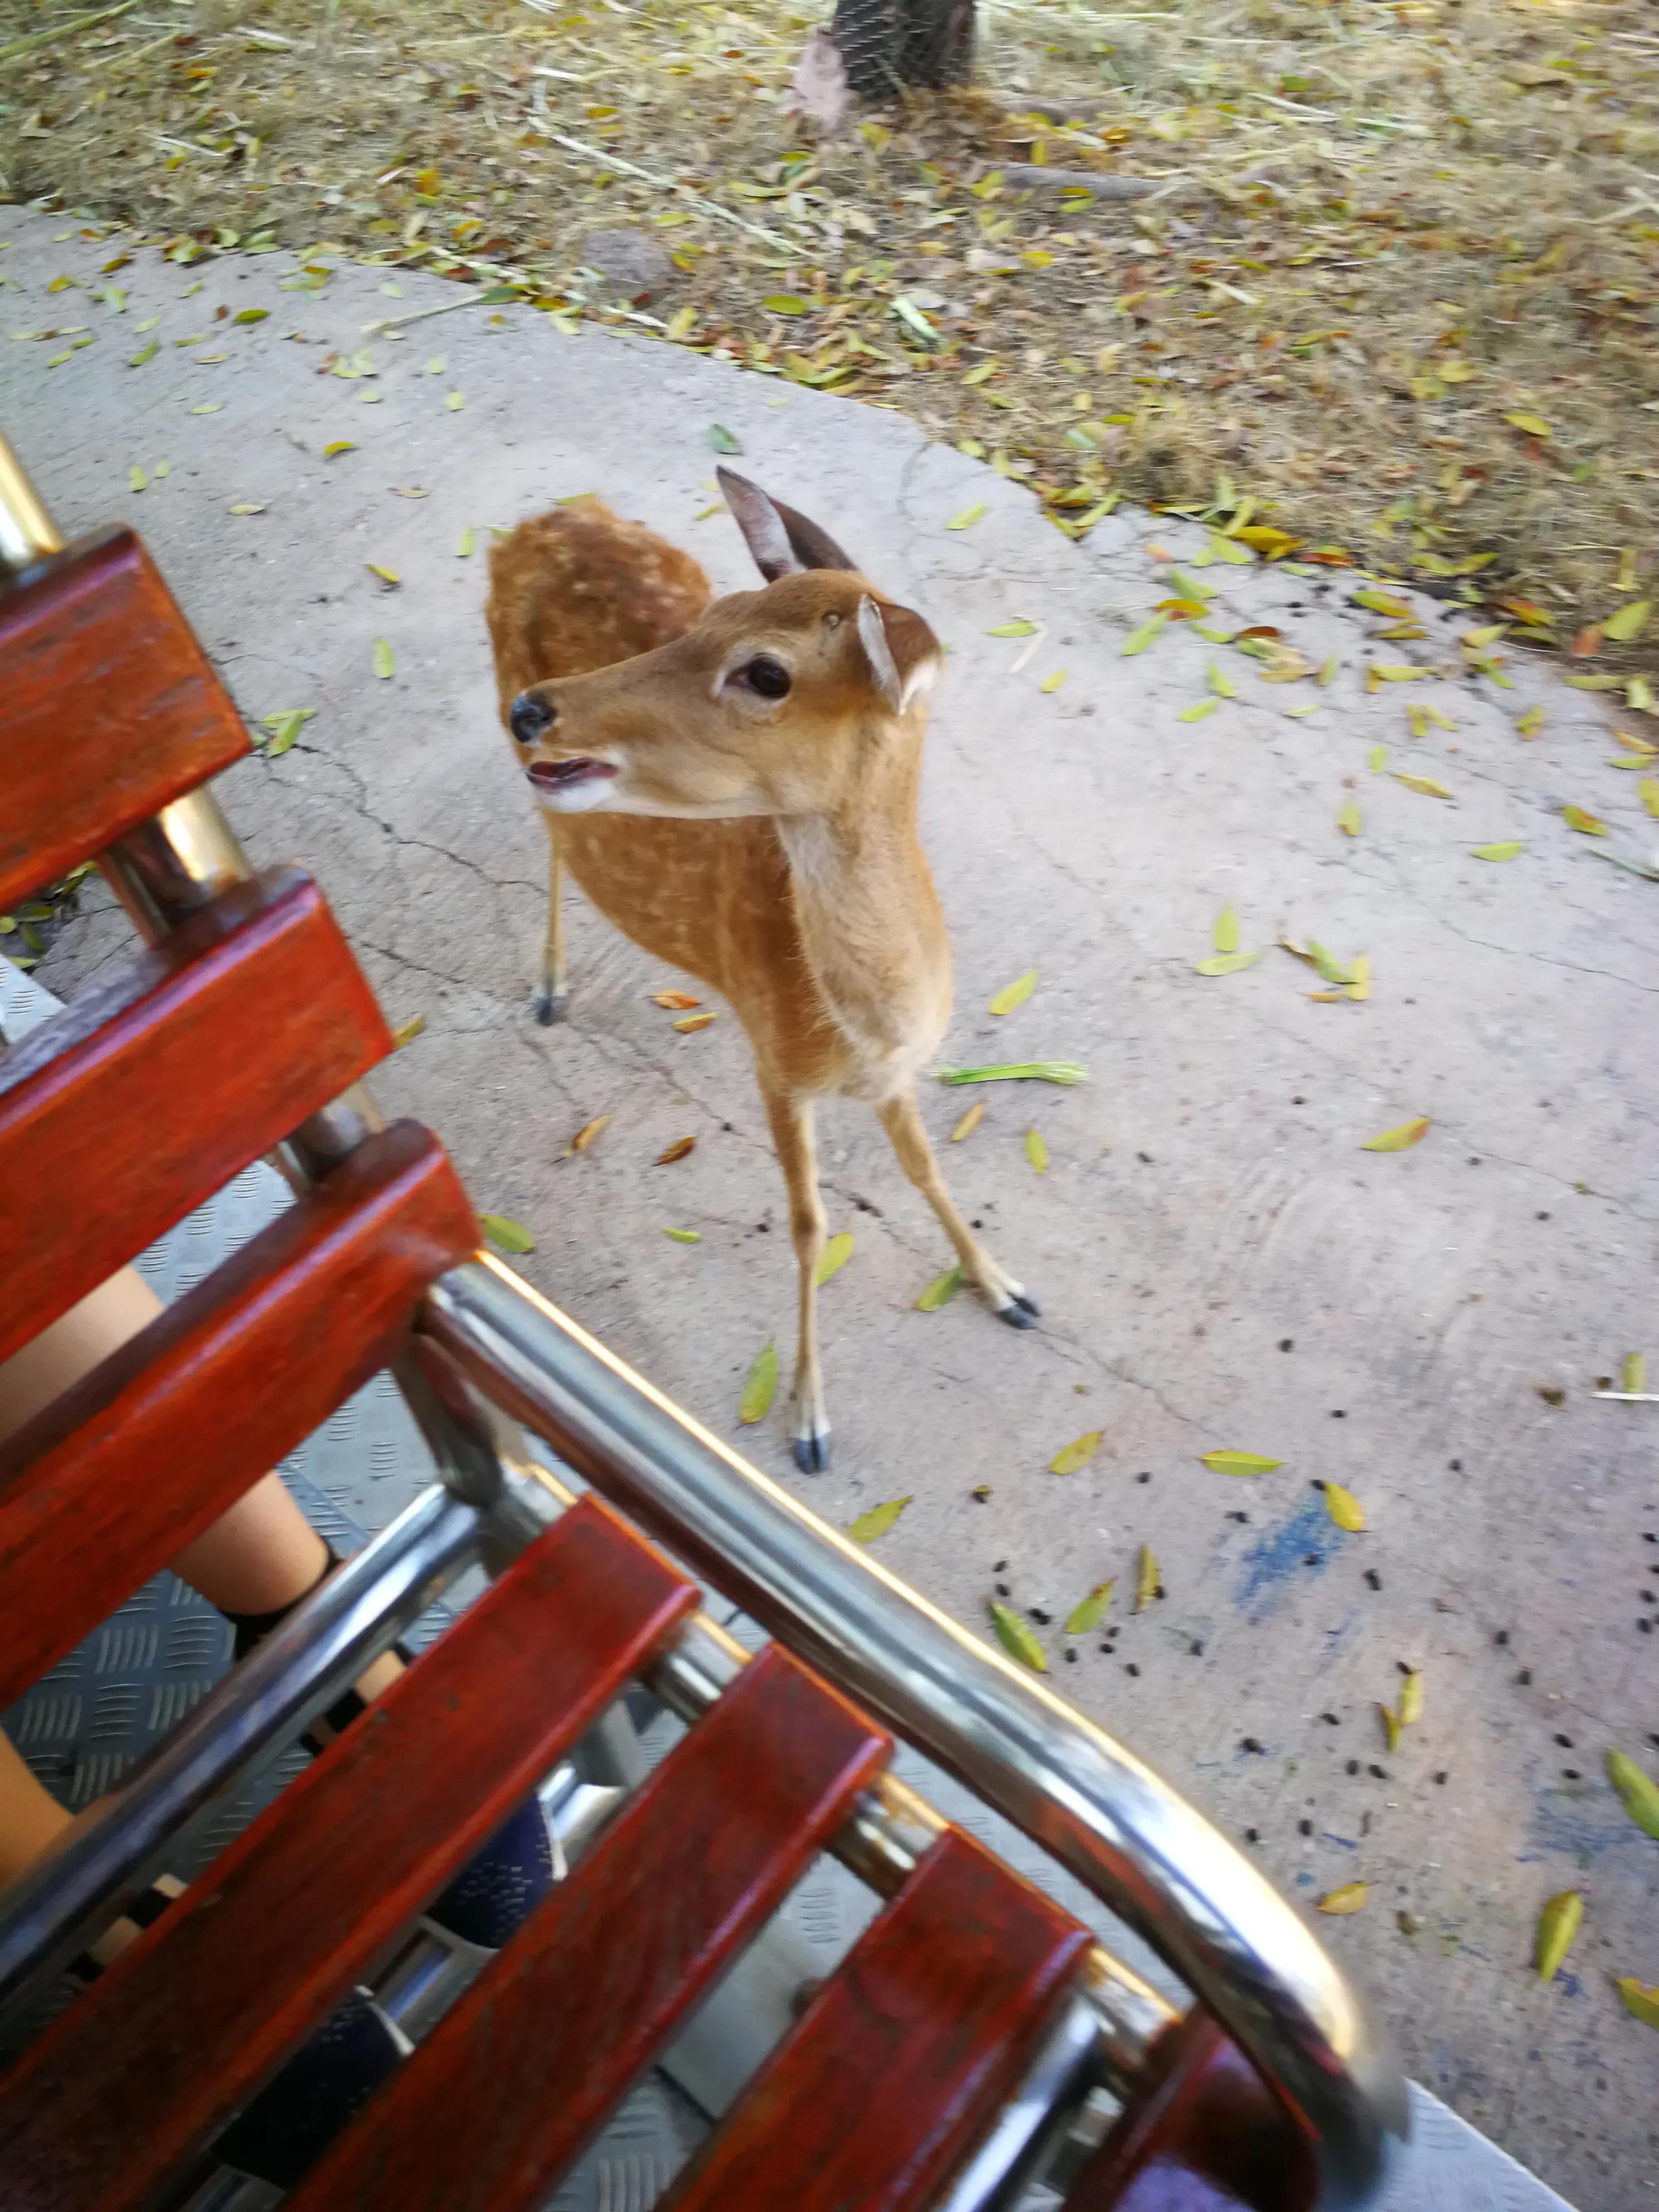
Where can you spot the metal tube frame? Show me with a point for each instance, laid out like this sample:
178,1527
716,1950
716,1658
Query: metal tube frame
53,1909
1089,1801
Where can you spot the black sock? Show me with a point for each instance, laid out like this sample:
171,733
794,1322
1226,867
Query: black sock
252,1628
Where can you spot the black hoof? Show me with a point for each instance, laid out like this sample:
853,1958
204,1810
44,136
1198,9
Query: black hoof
1022,1314
549,1007
812,1455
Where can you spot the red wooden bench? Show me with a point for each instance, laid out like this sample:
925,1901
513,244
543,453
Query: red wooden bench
243,1022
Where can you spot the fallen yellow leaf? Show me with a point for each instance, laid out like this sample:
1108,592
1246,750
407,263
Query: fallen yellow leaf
1077,1454
1400,1140
1350,1897
1557,1924
836,1253
1014,994
1344,1508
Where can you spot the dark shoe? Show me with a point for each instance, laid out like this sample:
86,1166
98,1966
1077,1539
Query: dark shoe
326,2084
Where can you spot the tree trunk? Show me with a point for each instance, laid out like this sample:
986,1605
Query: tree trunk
887,44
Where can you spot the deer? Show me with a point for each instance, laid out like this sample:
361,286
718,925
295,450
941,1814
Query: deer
733,783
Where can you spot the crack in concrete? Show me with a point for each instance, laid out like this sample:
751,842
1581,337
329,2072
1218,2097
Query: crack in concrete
402,839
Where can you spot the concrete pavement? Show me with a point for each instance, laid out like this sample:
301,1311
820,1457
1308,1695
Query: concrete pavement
1221,1266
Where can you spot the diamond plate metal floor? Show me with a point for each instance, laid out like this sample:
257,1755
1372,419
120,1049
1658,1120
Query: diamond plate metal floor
84,1724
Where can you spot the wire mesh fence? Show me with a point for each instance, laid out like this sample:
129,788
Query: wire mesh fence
887,44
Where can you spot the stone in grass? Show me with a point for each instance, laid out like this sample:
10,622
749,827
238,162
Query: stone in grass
632,267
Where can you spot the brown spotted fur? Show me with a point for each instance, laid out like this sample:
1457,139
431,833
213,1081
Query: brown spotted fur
816,918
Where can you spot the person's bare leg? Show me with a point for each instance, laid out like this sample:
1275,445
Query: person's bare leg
31,1818
259,1555
31,1824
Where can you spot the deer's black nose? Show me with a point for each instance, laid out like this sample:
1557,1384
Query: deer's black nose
531,717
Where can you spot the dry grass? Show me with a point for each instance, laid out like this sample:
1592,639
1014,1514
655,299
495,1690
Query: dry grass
1388,232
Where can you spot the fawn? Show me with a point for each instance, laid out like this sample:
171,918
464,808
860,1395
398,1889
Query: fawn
734,785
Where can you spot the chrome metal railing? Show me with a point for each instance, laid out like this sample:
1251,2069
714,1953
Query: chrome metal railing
489,1347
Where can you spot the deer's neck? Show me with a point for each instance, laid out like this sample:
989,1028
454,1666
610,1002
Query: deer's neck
871,926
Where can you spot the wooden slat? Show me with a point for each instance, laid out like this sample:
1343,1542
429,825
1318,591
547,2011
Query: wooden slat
184,2027
901,2061
1208,2136
134,1105
115,1479
111,708
503,2096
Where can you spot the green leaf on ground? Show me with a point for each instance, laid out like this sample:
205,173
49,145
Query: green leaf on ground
285,727
759,1388
1558,1923
1015,1635
1637,1793
1086,1614
1014,994
878,1520
836,1254
1031,1071
506,1235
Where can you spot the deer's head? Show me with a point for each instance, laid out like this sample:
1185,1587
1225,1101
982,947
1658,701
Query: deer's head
785,700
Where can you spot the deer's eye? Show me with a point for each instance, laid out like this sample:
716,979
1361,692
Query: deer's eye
765,676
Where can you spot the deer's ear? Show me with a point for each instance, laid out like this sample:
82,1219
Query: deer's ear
783,542
903,652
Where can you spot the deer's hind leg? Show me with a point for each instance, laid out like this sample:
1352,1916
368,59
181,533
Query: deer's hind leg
902,1120
791,1136
552,991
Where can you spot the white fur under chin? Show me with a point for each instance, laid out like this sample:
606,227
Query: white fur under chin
602,797
587,798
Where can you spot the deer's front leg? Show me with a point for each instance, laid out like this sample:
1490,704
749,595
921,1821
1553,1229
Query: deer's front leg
902,1120
792,1134
552,995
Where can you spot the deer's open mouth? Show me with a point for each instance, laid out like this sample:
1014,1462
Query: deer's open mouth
555,779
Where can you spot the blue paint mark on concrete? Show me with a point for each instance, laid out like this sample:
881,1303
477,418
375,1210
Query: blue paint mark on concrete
1277,1556
1580,1825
